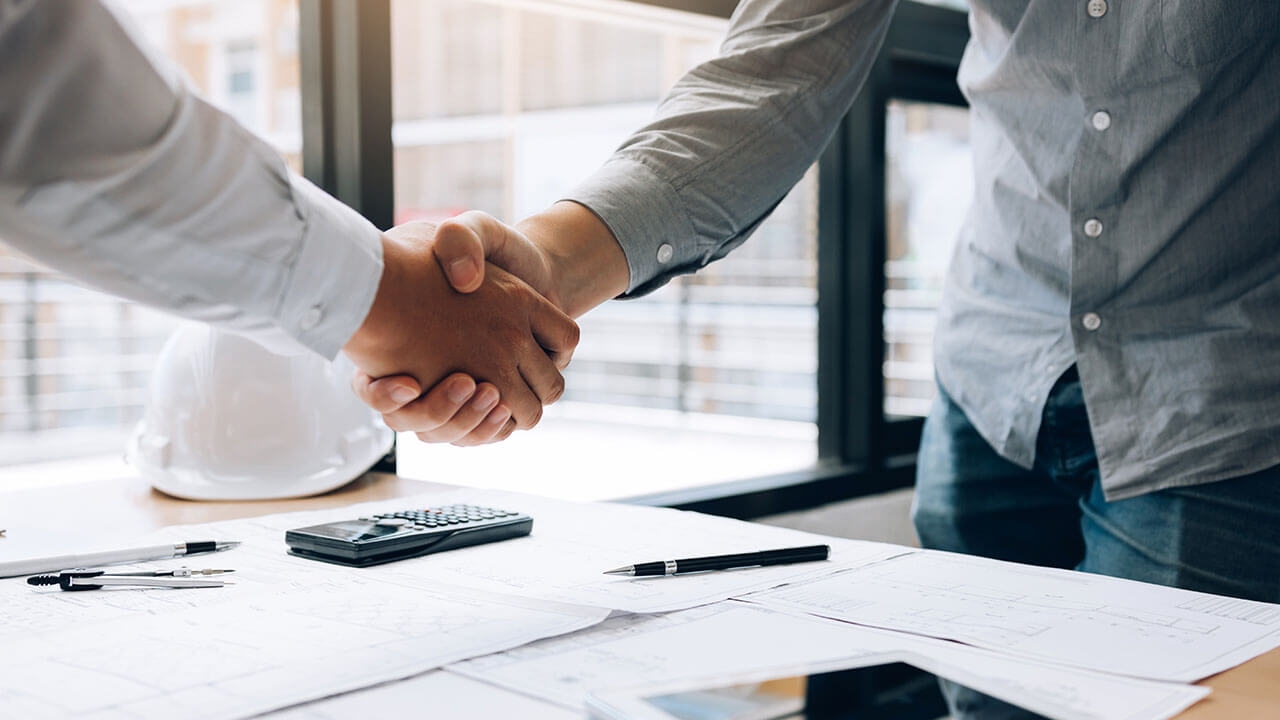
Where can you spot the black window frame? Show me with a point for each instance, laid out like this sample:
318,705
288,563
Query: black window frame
345,56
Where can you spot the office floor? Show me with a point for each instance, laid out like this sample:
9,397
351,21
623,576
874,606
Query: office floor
882,518
578,452
576,455
586,452
63,472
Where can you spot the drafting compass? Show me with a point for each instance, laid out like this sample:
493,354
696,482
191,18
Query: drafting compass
82,579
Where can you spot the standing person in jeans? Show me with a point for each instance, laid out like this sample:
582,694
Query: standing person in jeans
1108,347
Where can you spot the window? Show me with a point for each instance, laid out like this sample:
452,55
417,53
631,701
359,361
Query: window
242,100
711,378
74,363
928,188
782,377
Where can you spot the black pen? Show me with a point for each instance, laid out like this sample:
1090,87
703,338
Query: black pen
784,556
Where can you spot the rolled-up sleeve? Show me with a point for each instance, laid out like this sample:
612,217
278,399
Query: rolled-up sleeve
735,134
113,171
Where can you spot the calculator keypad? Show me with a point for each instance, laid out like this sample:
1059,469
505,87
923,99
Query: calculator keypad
448,516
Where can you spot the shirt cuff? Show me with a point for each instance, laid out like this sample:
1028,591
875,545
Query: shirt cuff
336,273
647,218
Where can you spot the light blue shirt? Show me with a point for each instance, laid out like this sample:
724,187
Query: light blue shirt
1126,215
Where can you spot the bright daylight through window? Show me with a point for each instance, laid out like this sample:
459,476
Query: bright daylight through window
928,188
505,107
499,106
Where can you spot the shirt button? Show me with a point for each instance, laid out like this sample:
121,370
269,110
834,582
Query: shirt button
665,251
1093,227
1091,321
1101,120
1097,8
311,317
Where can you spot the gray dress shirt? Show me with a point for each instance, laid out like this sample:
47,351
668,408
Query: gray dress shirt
1126,215
115,172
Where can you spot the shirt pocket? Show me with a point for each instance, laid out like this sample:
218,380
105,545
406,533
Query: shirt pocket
1198,33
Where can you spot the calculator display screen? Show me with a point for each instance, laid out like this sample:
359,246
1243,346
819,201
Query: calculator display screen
353,530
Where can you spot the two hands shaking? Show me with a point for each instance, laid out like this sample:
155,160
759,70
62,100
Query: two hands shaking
472,323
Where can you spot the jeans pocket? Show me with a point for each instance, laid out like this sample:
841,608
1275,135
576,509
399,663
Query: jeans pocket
1198,33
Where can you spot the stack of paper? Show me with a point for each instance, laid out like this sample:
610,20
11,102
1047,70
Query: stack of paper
530,615
730,639
291,630
1090,621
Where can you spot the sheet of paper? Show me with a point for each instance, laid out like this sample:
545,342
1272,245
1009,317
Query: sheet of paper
237,658
1052,690
1090,621
633,650
572,544
433,694
289,630
732,639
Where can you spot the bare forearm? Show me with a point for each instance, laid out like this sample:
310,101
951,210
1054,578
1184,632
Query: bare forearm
587,264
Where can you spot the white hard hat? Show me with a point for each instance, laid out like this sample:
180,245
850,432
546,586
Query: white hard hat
227,419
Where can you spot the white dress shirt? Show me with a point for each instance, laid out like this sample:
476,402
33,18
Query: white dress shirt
113,171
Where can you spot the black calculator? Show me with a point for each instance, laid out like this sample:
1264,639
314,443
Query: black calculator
387,537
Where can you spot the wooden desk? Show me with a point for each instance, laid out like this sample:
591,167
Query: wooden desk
125,507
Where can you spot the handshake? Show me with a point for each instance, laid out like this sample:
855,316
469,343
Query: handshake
472,322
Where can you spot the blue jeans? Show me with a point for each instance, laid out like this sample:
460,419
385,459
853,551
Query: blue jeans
1222,537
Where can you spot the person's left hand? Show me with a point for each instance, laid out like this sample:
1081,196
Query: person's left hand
412,328
457,410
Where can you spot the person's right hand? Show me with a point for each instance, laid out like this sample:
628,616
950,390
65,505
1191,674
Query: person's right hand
422,331
575,262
